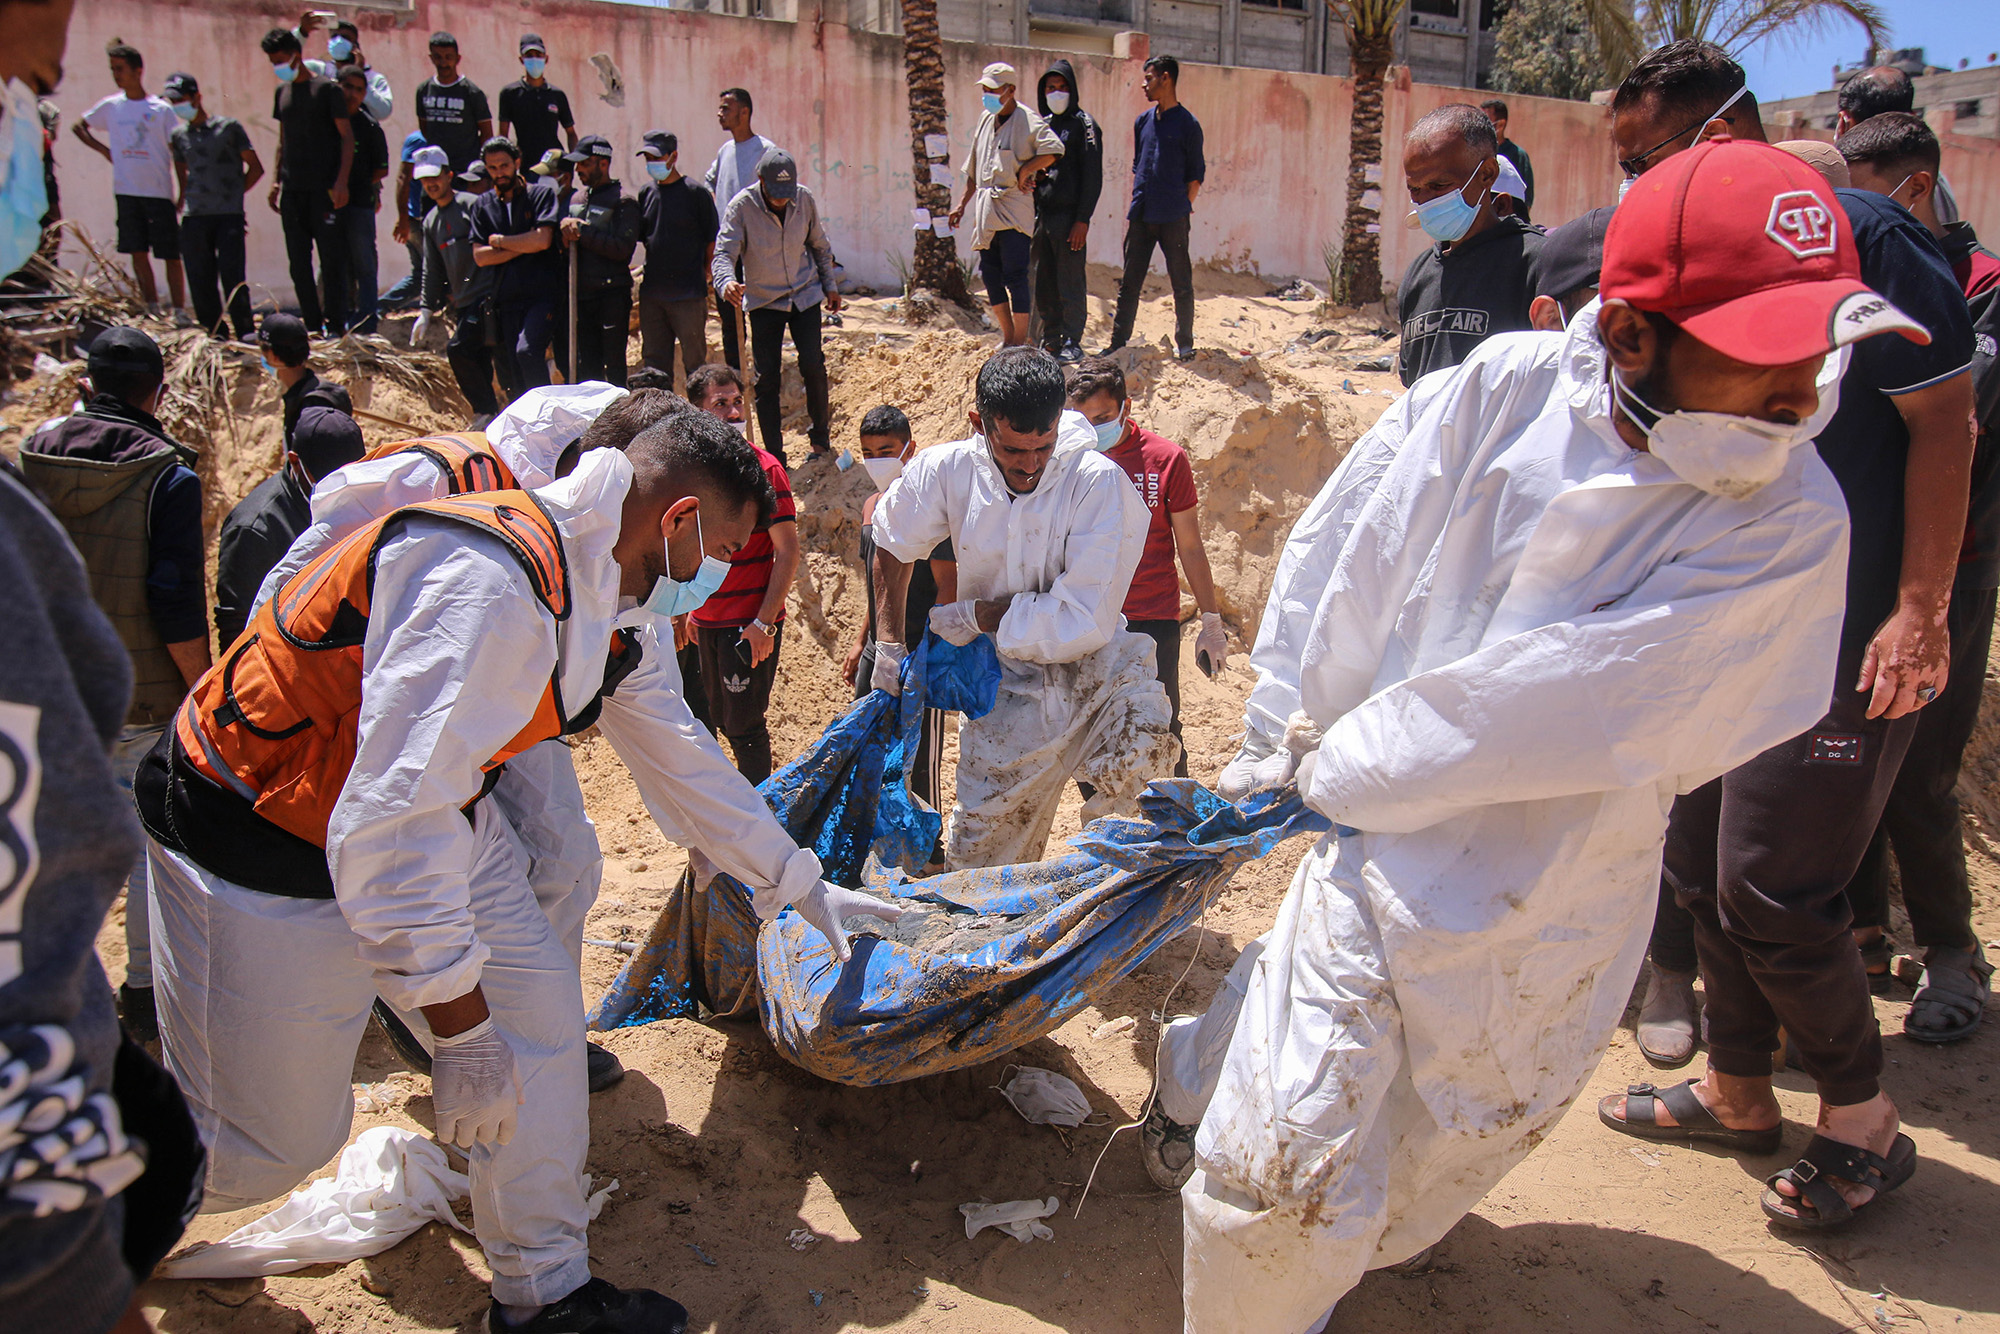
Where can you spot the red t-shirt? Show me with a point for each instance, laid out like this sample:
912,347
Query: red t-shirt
736,603
1160,469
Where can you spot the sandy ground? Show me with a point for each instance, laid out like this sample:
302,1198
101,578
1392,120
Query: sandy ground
721,1148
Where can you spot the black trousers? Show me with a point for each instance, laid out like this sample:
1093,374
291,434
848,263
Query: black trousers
603,326
212,251
310,224
732,352
1762,857
739,695
1921,819
1061,287
767,345
470,353
521,345
1172,240
1166,637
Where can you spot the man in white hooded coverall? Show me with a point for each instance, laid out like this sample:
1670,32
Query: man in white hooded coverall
1551,588
1047,532
539,437
435,642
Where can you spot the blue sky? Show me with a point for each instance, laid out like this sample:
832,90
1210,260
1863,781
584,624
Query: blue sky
1948,30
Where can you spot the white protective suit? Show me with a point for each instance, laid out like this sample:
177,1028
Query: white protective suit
1522,639
263,998
1079,695
538,793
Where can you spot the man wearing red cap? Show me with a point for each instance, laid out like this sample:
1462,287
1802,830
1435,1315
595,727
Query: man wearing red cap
1553,586
1761,854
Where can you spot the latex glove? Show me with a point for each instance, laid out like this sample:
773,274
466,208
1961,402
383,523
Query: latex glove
888,672
1252,770
827,905
956,622
1211,645
475,1087
421,328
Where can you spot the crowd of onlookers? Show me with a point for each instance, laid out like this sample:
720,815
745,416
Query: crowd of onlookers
501,215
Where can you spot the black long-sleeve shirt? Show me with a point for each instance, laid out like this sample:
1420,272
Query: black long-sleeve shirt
611,222
255,537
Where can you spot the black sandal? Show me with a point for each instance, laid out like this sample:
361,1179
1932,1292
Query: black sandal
1826,1158
1697,1123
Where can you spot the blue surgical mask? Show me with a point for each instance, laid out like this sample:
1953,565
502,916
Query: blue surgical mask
1110,433
1448,217
185,110
990,101
24,196
535,65
659,171
269,369
677,597
340,48
286,72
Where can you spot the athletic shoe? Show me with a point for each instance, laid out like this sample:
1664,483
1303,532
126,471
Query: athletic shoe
599,1308
135,1007
1069,354
1167,1148
1183,354
604,1066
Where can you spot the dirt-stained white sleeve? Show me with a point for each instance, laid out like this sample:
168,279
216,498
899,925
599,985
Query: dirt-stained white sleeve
1081,610
690,788
1719,654
457,655
913,515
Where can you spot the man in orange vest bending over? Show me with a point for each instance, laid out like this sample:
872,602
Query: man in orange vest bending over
318,836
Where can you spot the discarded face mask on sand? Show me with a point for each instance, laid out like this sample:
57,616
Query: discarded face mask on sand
1046,1098
1019,1219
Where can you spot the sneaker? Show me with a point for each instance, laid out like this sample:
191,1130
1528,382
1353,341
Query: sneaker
1069,354
599,1308
1167,1148
604,1066
1183,354
135,1007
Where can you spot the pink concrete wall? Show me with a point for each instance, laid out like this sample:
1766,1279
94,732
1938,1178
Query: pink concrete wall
1277,141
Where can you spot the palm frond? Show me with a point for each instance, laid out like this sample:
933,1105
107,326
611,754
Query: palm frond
1800,21
1369,20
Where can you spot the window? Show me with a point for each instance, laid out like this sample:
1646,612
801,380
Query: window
1444,9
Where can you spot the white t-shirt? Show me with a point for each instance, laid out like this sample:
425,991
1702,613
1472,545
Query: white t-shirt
137,130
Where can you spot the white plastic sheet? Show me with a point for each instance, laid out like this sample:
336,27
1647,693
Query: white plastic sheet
389,1183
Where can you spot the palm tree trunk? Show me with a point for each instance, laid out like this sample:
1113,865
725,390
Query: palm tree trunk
936,263
1361,249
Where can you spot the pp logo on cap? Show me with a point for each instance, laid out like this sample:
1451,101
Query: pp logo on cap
1801,223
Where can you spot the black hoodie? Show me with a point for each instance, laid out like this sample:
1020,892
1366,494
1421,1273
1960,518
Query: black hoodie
1071,186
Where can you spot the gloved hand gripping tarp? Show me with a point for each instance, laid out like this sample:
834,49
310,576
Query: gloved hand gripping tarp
1049,936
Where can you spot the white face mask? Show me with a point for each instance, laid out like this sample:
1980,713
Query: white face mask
1058,102
883,471
1625,187
1723,454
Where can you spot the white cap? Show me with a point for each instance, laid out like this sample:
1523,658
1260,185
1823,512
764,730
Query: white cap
428,162
998,75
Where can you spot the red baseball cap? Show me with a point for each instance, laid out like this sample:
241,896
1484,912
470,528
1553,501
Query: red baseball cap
1746,248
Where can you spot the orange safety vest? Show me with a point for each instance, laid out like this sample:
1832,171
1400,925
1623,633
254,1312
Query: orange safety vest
465,458
277,720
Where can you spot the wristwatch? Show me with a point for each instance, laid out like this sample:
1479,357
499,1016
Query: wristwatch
771,631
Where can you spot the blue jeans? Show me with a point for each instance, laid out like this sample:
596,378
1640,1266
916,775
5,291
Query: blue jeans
357,228
407,290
